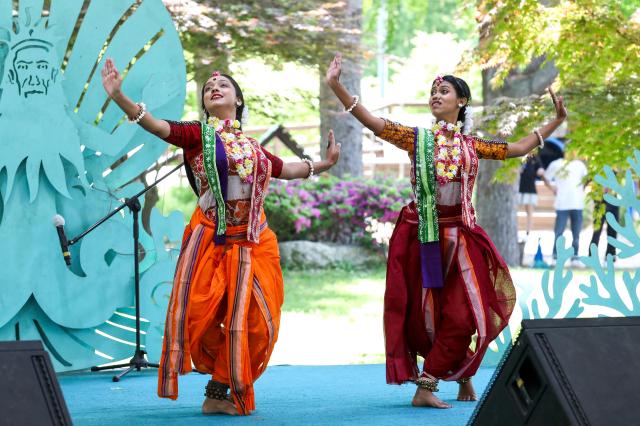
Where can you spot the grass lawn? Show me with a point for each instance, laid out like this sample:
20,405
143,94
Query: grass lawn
337,293
335,316
331,317
331,293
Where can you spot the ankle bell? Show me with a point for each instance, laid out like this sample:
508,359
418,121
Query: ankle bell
216,390
427,383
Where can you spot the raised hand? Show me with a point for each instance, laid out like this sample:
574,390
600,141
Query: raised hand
111,78
558,102
333,150
335,68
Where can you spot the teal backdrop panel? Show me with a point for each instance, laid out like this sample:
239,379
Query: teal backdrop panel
67,149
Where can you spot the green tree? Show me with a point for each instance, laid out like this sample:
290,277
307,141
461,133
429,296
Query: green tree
217,33
595,46
406,17
390,28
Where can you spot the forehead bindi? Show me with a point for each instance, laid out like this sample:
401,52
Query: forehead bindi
444,86
217,80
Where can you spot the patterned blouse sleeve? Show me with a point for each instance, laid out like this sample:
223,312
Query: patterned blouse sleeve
185,134
276,163
490,149
401,136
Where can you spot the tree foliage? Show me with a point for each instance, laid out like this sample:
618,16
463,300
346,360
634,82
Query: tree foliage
217,33
405,18
595,45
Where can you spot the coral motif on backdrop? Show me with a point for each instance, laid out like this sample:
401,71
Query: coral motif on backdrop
607,292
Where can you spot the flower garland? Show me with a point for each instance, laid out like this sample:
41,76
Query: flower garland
449,158
238,147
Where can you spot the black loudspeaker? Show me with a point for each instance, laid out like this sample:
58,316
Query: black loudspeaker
575,371
29,390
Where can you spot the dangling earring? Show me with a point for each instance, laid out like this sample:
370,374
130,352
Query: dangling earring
460,105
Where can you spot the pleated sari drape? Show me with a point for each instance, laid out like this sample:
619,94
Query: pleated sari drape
224,310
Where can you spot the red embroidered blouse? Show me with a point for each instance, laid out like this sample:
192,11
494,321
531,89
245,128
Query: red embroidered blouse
188,136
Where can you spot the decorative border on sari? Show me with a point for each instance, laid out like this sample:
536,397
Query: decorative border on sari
430,258
476,305
469,172
217,170
172,361
242,235
237,335
261,176
264,308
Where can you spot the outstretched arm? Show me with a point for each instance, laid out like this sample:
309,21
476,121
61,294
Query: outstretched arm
373,123
529,142
301,169
112,83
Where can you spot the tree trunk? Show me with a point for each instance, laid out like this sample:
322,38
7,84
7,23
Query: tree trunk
499,223
347,130
497,208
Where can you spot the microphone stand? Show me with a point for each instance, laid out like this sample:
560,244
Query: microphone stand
138,361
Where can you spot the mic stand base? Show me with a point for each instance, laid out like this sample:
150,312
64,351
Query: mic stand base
137,363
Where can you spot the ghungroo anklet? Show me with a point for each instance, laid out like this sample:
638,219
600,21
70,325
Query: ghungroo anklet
427,383
216,390
463,380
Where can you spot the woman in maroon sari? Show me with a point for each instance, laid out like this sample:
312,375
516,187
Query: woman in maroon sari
449,292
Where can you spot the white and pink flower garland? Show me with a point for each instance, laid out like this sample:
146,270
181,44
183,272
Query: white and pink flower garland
238,147
449,157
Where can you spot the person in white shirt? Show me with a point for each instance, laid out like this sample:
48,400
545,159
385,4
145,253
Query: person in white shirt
568,174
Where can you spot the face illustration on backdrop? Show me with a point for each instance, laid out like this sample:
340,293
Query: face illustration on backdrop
31,68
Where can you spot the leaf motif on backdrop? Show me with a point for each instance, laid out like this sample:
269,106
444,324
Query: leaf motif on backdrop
66,149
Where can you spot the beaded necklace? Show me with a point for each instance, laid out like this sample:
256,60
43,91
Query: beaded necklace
237,146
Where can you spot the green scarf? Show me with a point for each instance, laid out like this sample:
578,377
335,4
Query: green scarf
209,154
426,186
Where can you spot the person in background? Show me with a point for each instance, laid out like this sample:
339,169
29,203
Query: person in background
552,150
527,194
568,174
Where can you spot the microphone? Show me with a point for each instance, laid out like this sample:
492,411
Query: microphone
58,222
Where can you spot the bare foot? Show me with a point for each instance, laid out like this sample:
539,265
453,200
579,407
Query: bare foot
466,392
425,398
218,406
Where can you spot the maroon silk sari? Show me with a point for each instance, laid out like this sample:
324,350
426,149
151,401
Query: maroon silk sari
439,324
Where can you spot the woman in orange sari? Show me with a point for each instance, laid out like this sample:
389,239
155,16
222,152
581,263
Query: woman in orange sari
446,282
224,311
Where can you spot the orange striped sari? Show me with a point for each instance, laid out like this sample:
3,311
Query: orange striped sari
224,311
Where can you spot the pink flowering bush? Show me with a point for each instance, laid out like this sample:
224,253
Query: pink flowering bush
333,210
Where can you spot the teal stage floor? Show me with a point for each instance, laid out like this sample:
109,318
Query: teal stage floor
285,395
